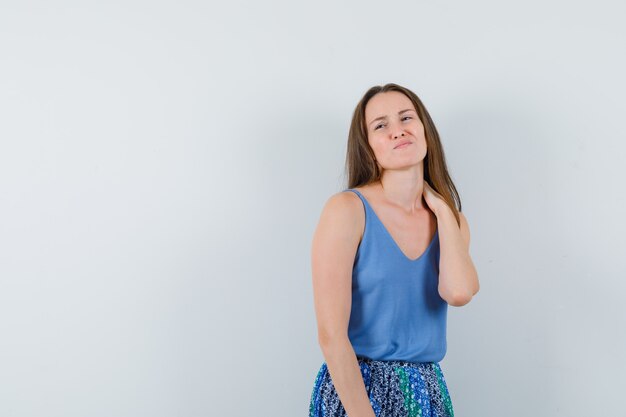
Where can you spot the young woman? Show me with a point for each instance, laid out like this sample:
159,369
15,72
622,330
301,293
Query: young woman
389,254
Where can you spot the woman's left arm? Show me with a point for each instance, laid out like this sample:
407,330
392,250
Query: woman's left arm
458,279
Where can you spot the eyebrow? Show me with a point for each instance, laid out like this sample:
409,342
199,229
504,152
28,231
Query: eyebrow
384,117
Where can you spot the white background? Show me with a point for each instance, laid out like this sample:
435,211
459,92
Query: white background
163,166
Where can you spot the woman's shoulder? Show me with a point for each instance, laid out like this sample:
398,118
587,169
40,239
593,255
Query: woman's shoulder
344,206
344,200
366,191
343,215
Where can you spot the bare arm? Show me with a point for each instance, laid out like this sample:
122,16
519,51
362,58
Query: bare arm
333,250
458,279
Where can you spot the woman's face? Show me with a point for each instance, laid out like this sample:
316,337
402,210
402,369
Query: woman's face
391,120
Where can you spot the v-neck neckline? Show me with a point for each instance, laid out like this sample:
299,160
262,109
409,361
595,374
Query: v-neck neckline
392,238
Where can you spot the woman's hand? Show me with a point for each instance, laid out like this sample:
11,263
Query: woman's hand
434,200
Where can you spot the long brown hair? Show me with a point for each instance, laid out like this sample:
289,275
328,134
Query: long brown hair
361,165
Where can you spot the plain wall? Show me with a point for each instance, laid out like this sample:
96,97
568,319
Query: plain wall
163,166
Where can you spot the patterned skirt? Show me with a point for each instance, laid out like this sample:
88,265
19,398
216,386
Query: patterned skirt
395,389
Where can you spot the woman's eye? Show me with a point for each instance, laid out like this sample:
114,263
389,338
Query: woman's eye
382,124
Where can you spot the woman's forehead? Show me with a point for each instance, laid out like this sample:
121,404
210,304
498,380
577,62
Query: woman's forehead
386,104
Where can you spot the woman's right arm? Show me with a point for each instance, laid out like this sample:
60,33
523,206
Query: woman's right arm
334,247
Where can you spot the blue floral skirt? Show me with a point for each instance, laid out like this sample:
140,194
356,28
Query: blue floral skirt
395,389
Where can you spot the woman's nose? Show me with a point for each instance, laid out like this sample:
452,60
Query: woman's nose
398,132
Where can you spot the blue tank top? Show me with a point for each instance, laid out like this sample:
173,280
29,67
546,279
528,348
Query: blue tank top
397,312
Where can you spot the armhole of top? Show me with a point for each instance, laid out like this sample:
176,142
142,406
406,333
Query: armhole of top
364,216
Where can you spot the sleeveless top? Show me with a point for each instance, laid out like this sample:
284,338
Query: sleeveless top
397,312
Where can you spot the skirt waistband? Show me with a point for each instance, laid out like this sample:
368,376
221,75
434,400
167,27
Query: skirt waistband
394,362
